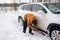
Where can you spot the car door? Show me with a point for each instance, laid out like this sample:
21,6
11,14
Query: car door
42,21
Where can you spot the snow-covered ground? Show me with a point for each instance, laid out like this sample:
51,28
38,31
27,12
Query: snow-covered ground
10,29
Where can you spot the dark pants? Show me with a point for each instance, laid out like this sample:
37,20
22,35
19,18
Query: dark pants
25,27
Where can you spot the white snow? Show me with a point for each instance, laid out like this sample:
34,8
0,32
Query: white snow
10,29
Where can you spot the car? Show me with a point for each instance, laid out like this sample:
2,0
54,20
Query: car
48,15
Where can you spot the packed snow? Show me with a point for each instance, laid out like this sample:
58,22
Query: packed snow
10,29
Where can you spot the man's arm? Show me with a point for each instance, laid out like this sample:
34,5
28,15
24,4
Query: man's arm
35,28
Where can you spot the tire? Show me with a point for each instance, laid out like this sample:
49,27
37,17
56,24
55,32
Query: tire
20,20
55,33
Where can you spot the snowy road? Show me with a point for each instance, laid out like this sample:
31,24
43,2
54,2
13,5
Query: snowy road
10,29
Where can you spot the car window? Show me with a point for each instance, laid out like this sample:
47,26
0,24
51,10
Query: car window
37,7
27,7
33,7
53,7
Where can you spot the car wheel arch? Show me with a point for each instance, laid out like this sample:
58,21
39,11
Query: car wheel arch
52,25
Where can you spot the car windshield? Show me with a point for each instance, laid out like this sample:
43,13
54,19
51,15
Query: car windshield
54,7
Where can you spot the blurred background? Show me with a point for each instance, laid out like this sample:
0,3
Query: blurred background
9,5
20,1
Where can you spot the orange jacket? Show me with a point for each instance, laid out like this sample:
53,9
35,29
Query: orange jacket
28,18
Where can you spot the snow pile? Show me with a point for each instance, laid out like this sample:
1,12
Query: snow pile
10,29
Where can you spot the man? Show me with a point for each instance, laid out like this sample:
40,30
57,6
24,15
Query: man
30,20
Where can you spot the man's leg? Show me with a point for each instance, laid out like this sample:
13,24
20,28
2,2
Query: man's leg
24,27
30,31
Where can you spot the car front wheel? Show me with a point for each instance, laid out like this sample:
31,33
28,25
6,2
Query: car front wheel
55,34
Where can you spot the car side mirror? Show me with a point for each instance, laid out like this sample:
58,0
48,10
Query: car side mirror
44,11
